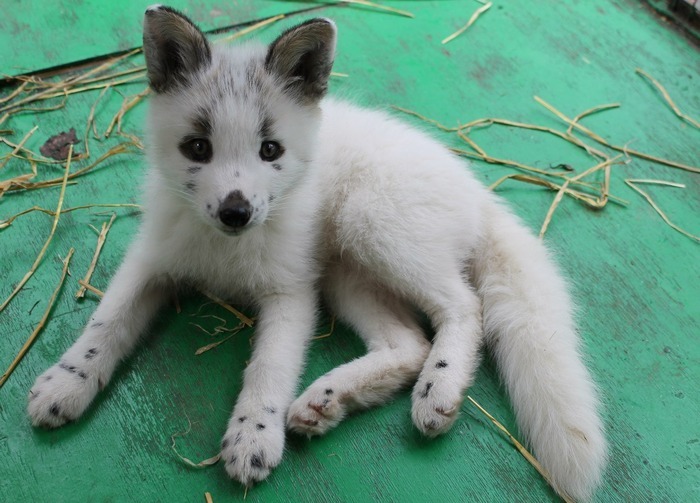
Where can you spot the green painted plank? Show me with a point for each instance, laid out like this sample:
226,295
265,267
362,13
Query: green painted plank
635,279
50,33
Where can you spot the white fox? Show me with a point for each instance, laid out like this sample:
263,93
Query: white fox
263,192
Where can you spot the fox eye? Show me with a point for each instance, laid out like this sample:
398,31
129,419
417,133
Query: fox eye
197,149
270,151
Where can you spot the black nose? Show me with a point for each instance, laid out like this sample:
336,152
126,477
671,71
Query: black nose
235,210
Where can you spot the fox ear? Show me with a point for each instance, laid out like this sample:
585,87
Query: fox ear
302,57
174,48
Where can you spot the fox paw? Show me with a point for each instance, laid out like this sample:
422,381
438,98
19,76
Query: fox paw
61,394
316,411
252,446
435,406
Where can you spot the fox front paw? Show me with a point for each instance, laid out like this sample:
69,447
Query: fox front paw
316,411
61,394
253,446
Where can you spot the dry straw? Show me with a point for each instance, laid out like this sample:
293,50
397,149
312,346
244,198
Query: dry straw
522,450
478,12
242,317
668,99
202,464
645,195
619,148
39,257
42,323
8,221
102,236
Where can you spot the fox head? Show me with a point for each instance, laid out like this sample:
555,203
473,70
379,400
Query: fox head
232,130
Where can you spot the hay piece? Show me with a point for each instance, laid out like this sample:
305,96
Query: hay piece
489,121
120,148
39,257
91,288
93,263
590,111
91,121
330,331
127,105
16,92
206,348
207,498
619,148
668,99
555,203
19,146
8,221
251,28
28,344
380,7
242,317
202,464
66,86
18,180
478,12
523,451
656,207
581,196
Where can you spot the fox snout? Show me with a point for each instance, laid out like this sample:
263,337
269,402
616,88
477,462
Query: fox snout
235,211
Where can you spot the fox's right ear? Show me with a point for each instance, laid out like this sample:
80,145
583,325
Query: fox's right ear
174,47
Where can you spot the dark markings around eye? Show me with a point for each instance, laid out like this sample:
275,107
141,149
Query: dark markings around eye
201,122
266,128
194,169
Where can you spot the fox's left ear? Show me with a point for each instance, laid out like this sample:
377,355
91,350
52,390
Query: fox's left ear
303,57
174,47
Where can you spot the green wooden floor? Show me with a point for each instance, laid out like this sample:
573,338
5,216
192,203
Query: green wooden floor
637,281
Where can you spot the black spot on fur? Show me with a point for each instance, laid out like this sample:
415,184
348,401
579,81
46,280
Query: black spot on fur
270,198
242,419
237,174
91,353
270,410
325,402
100,383
430,425
260,426
238,438
191,186
96,324
55,410
224,444
329,391
47,378
278,167
67,368
33,395
194,169
208,206
257,460
233,460
82,374
441,364
425,392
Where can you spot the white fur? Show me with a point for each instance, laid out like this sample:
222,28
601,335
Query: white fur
384,221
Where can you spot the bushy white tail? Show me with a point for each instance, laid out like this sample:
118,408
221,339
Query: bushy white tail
528,322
